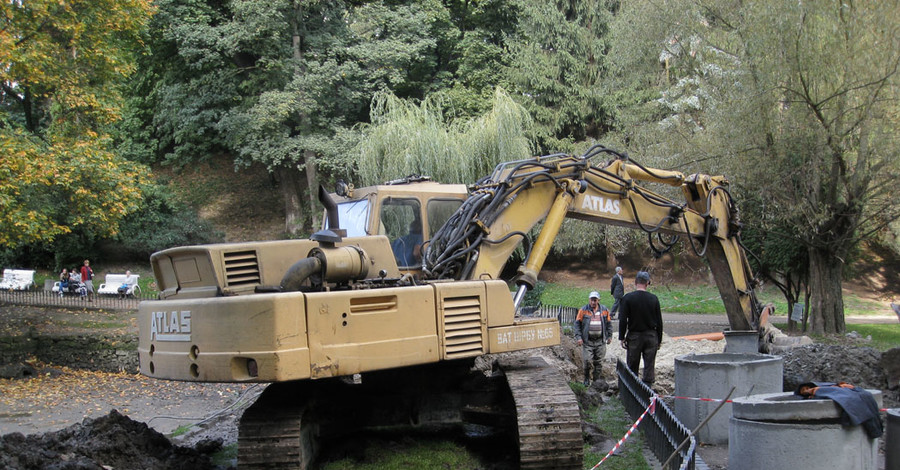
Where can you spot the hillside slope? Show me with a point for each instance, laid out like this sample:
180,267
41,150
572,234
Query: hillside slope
245,205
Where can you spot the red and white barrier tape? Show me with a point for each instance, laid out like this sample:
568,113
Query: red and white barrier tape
717,400
650,409
696,399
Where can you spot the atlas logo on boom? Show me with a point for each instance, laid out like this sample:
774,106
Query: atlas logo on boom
600,204
170,326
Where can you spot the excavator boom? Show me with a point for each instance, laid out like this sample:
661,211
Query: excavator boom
503,208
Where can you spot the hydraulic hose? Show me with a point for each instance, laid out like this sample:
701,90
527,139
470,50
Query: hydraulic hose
299,272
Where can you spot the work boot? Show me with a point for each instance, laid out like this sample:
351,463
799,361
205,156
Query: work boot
587,379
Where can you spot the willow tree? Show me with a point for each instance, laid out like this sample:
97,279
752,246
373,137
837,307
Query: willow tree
800,99
284,83
409,138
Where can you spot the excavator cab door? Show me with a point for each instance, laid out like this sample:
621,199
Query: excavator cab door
402,222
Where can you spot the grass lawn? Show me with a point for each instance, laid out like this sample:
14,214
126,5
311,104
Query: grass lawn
612,419
701,299
406,452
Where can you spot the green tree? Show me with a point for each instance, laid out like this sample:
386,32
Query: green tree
284,83
61,67
558,67
799,98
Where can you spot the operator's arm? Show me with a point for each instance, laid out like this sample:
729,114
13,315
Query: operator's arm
623,320
578,325
607,323
657,312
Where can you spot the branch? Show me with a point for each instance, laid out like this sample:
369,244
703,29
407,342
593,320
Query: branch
9,91
33,33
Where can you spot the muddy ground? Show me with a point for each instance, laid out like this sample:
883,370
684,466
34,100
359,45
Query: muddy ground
54,417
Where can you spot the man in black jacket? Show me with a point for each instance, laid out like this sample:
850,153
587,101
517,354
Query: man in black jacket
641,328
617,290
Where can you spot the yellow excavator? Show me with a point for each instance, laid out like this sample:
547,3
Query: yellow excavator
395,313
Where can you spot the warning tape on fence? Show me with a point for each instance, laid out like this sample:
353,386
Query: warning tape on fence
696,399
715,400
651,408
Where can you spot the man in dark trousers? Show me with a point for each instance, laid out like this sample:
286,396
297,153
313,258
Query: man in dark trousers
87,277
641,328
593,331
617,290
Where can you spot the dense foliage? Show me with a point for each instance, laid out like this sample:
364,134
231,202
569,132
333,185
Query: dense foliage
61,69
798,99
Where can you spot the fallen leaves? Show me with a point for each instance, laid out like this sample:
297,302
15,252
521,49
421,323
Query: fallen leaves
57,396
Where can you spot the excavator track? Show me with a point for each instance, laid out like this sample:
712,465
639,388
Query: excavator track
528,396
276,432
549,422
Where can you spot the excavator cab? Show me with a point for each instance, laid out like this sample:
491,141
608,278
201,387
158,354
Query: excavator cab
408,212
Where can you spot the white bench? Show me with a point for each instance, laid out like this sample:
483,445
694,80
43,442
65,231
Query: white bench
113,281
17,279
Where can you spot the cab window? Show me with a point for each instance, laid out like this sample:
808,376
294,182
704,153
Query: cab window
439,210
401,223
353,217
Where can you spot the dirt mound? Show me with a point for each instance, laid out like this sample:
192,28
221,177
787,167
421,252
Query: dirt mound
860,366
111,441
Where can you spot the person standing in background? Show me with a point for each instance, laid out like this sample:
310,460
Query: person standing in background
87,278
593,331
617,290
641,328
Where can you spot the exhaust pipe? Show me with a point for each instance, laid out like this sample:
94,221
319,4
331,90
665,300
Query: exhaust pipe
331,212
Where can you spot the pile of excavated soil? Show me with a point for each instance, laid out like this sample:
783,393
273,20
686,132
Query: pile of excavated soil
111,442
858,365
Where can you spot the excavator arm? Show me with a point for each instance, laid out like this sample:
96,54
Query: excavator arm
476,242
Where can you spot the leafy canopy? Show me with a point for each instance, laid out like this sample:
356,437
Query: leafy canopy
61,66
406,138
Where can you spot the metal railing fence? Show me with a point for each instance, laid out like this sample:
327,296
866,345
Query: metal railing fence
663,432
565,315
45,298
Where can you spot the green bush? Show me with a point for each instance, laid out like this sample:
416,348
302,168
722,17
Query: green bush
163,223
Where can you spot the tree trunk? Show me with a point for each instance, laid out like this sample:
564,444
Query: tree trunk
312,188
291,189
610,255
826,307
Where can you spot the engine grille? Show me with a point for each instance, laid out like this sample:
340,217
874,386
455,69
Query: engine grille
463,333
241,268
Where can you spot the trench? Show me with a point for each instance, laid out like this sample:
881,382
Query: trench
101,353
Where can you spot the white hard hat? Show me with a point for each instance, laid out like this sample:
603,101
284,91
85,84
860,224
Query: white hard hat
594,295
